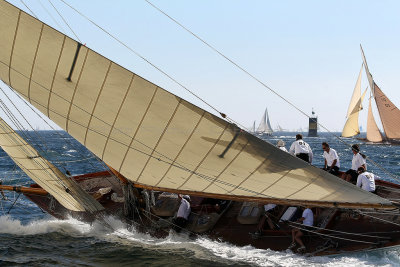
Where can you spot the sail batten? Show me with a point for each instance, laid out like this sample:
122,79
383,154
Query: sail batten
152,136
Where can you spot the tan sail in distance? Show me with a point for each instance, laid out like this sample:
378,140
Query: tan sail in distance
351,128
45,174
152,137
373,133
389,113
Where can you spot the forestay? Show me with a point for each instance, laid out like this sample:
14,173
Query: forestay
149,135
45,174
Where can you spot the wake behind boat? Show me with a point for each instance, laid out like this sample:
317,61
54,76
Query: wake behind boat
157,145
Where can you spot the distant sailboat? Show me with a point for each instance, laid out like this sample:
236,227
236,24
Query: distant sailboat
265,125
253,128
388,112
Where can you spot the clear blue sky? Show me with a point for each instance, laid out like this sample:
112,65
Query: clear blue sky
307,51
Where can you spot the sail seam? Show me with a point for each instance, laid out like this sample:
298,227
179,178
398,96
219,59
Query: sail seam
13,46
204,158
240,184
180,151
54,77
75,89
96,102
138,127
160,138
117,115
226,167
271,185
34,62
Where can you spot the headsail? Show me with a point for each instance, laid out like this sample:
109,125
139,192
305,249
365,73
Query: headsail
265,125
149,135
373,133
351,128
45,174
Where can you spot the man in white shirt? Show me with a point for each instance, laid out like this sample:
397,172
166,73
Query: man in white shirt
357,162
308,220
183,213
301,149
332,163
366,180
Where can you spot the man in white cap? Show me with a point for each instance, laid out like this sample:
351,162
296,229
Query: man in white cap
183,213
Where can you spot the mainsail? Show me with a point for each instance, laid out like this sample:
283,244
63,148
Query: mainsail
45,174
351,128
152,137
373,133
265,125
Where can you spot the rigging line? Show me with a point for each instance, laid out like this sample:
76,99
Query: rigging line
58,180
333,236
51,16
376,218
340,232
187,89
145,59
21,126
57,132
29,9
256,79
64,21
176,164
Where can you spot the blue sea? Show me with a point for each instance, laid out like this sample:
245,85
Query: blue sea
30,237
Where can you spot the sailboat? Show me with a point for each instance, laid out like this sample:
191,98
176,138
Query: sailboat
265,126
388,112
157,145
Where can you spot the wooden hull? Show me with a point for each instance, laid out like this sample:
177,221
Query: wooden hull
368,230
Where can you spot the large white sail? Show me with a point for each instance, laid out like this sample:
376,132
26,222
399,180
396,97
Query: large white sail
149,135
373,133
45,174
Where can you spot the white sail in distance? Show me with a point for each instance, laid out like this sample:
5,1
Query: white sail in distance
265,125
351,127
154,138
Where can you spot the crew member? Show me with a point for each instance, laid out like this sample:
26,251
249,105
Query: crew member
301,149
183,213
357,162
366,180
308,220
332,163
281,145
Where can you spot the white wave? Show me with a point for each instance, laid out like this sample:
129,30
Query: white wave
201,248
